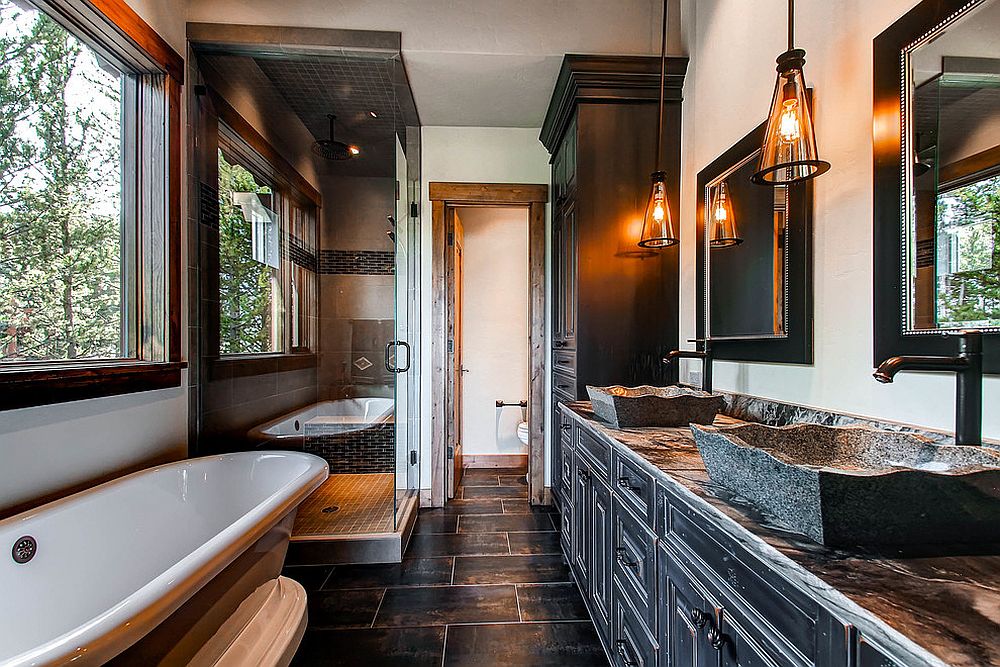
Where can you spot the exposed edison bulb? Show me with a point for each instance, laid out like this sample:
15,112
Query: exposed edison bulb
659,205
720,211
789,128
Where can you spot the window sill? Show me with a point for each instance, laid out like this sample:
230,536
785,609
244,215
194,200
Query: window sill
259,364
25,387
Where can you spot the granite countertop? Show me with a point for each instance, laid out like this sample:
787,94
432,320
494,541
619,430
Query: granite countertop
937,609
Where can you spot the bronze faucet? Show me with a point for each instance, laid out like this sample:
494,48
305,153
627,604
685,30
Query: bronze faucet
968,367
704,353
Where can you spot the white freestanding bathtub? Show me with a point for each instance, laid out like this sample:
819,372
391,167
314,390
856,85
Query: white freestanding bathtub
146,569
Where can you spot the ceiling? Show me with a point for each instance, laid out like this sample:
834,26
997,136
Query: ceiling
292,96
490,63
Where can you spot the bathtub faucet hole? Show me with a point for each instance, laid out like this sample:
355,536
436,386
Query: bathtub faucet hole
331,509
24,549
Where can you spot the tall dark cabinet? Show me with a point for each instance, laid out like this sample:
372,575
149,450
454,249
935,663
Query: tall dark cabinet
614,306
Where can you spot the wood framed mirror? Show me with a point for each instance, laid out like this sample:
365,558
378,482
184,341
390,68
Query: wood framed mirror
754,261
937,179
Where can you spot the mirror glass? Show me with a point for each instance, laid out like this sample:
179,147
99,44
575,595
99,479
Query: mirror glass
951,174
746,246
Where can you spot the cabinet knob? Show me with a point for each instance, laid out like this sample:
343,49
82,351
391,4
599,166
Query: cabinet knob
699,618
623,653
621,553
715,638
625,482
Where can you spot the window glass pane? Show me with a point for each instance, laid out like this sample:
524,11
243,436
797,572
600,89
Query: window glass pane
249,263
61,195
968,283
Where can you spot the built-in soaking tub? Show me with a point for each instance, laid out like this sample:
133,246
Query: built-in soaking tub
148,569
354,435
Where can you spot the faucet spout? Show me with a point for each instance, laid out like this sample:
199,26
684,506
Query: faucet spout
705,354
968,368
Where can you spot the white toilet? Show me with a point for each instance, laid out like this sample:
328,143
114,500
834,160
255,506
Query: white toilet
522,432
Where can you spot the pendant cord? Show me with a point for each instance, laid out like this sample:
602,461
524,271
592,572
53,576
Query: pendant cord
663,76
791,24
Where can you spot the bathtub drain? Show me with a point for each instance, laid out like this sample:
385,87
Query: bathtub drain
24,549
330,510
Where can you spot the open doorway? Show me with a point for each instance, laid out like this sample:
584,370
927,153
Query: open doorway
488,320
491,332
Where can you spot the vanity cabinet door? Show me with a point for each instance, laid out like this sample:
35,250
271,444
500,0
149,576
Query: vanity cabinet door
568,279
602,556
557,277
581,544
686,616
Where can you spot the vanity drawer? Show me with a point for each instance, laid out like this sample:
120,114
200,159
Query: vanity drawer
634,567
744,584
566,471
566,427
869,655
632,646
635,486
598,451
563,385
564,361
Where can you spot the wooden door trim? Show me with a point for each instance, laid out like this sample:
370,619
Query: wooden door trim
530,196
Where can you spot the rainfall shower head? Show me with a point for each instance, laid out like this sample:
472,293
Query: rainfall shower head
331,149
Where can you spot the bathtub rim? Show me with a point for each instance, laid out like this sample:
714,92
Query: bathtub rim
259,438
130,619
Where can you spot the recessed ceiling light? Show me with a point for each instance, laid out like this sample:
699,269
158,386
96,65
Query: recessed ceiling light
373,114
354,150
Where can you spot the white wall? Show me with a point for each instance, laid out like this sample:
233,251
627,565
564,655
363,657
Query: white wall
469,154
727,93
494,328
50,448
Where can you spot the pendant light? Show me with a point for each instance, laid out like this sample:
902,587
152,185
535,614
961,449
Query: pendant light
657,225
723,232
789,152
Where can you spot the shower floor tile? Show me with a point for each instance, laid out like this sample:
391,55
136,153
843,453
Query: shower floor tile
363,502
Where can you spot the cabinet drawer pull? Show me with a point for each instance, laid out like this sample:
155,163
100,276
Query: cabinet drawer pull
699,618
623,653
622,555
566,427
715,638
625,482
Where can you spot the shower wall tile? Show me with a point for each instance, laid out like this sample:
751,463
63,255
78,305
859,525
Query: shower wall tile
358,262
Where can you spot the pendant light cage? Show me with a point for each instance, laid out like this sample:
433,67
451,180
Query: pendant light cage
657,223
789,153
723,231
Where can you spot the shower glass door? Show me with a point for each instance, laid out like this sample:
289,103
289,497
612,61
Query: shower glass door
404,353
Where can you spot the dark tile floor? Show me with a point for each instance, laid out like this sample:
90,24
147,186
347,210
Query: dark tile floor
483,583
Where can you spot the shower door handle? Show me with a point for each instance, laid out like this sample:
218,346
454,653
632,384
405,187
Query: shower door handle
388,354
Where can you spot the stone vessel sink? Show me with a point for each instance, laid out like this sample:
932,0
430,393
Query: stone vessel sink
858,486
625,407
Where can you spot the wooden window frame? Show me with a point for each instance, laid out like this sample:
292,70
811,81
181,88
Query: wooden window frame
114,27
290,188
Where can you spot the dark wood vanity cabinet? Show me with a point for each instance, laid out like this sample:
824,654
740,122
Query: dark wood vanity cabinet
614,308
666,587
